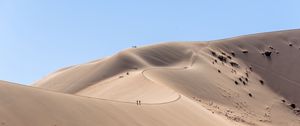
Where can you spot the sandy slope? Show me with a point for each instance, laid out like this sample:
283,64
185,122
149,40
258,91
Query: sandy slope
223,82
26,106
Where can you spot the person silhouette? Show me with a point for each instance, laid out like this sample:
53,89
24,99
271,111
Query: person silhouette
137,102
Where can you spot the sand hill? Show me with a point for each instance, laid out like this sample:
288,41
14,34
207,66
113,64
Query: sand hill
250,80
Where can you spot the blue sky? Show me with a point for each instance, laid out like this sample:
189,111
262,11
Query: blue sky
39,36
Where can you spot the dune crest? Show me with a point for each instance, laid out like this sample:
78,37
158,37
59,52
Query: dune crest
249,80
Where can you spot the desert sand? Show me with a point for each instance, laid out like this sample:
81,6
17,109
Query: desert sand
250,80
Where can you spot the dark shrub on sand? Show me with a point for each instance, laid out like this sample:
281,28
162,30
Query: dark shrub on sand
268,53
245,51
229,57
233,54
293,106
261,81
250,95
234,64
236,82
213,53
222,58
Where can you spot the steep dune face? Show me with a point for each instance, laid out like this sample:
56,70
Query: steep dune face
281,69
247,80
235,92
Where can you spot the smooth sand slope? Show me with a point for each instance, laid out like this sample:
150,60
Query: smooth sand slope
248,80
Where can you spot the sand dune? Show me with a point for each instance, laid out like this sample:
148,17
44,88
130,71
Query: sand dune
250,80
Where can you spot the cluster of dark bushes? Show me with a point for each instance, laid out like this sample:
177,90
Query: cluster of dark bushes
242,81
223,57
293,107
